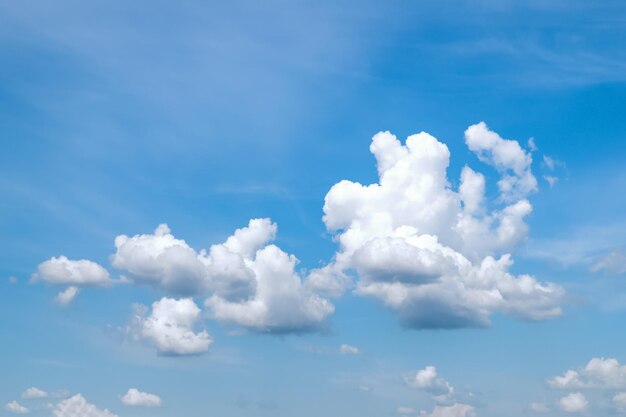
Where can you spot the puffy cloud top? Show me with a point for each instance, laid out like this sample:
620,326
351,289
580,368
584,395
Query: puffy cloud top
34,392
434,254
170,327
598,373
137,398
77,406
64,271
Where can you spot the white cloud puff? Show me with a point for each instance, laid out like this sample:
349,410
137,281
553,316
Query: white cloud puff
16,408
348,350
252,283
434,254
66,296
77,406
613,262
599,373
34,392
620,401
170,327
136,398
64,271
427,379
454,410
539,408
573,403
281,302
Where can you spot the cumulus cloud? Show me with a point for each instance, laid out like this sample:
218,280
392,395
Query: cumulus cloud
454,410
598,373
613,262
348,350
66,296
573,403
137,398
170,327
64,271
252,283
16,408
620,401
77,406
34,392
427,380
405,411
436,255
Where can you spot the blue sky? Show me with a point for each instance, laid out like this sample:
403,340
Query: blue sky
117,117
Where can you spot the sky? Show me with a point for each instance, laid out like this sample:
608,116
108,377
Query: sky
289,208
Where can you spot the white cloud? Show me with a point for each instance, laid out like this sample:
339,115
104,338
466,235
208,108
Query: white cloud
281,302
613,262
253,283
426,379
13,280
77,406
170,327
15,407
598,373
539,408
551,180
137,398
620,400
573,403
64,271
435,255
66,296
348,350
454,410
34,392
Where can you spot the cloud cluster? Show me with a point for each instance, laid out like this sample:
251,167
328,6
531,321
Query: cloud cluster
136,398
16,408
77,406
170,327
454,410
434,254
574,403
427,380
34,392
599,374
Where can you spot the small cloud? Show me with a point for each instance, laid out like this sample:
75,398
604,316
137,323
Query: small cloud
34,392
531,145
551,180
13,280
348,350
66,296
16,408
573,403
613,262
137,398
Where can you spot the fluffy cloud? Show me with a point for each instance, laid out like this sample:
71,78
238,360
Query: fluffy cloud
405,411
64,271
281,302
620,400
137,398
348,350
613,262
15,407
434,254
426,379
77,406
454,410
598,373
170,327
34,392
66,296
252,283
573,403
